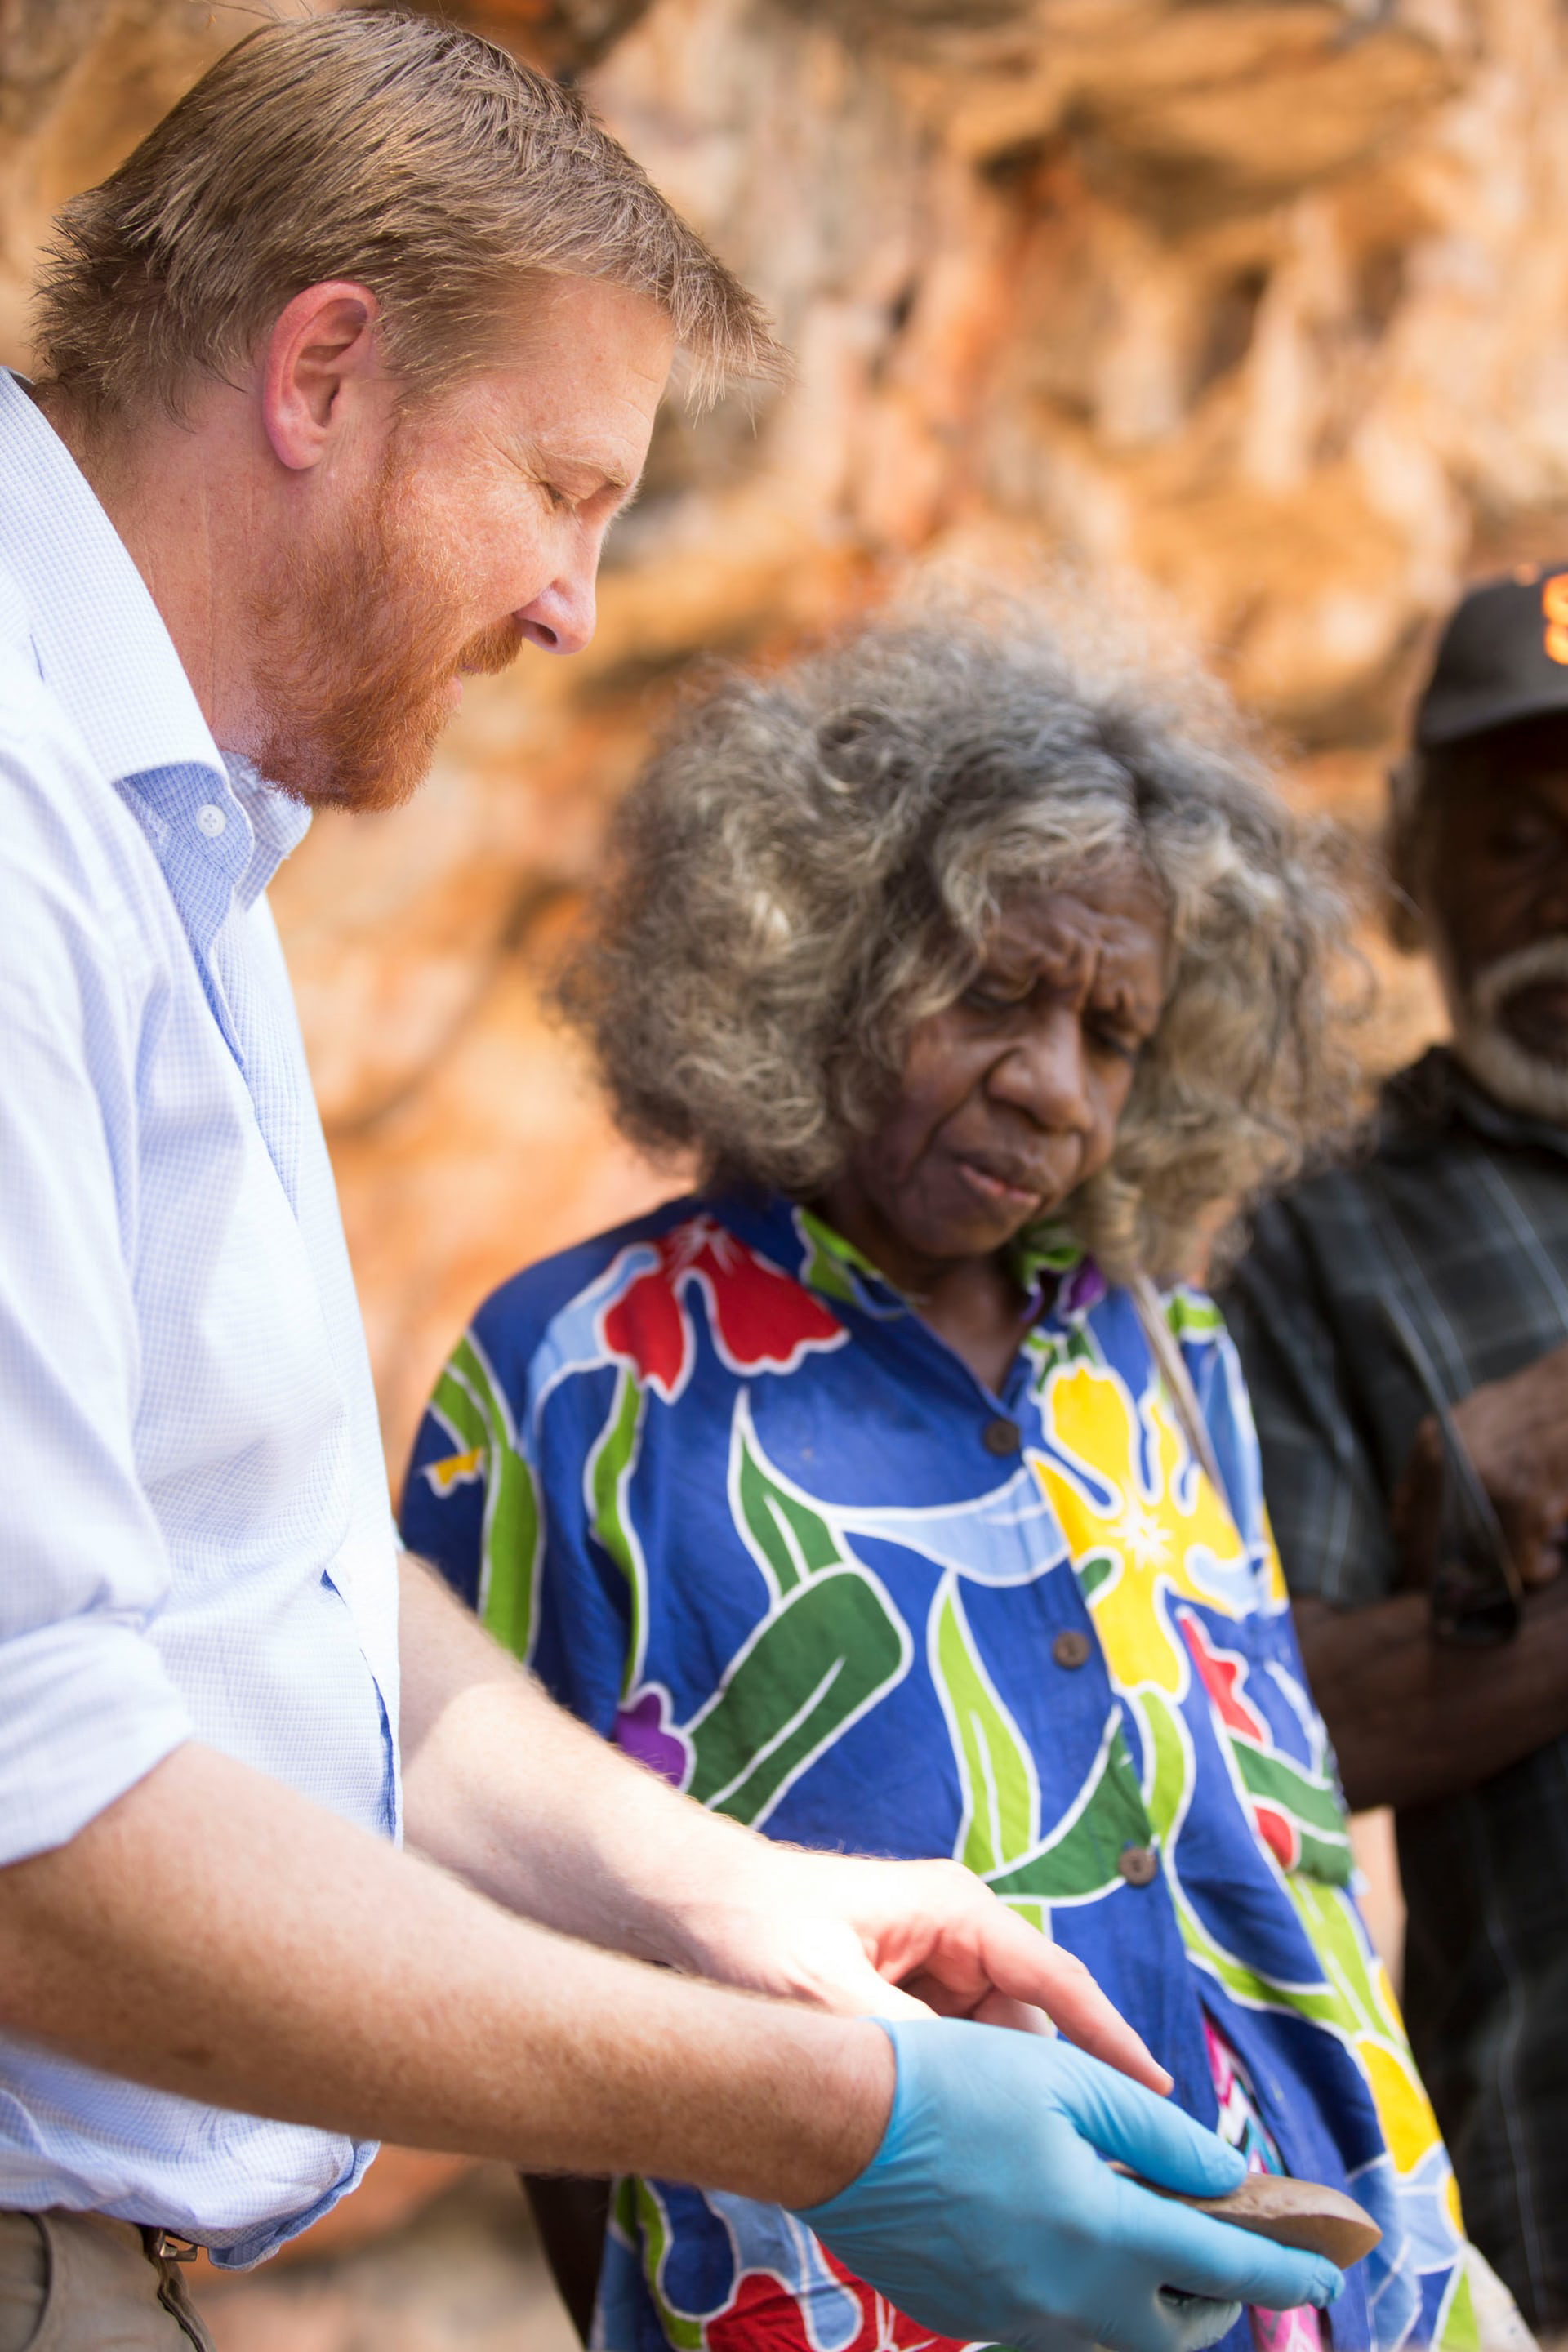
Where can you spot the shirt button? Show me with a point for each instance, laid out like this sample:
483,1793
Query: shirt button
211,820
1071,1648
1001,1436
1139,1865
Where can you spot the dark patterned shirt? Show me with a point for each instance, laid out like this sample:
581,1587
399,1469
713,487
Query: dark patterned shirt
1461,1211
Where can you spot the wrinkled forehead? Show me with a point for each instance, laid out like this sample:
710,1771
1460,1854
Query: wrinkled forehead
1120,901
1115,918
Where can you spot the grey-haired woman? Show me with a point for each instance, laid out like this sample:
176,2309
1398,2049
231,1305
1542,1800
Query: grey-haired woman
894,1489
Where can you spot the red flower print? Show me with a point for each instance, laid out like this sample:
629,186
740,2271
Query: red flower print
759,1318
1277,1832
765,2317
1222,1676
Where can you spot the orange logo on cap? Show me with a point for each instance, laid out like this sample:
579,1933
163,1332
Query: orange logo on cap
1554,605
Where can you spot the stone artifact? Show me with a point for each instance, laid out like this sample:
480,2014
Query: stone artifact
1292,2213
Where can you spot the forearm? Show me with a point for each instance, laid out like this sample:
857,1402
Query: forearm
292,1966
508,1792
613,1855
1414,1720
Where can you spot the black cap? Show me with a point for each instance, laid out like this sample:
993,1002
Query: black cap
1503,657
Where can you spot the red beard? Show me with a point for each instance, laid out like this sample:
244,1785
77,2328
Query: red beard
353,660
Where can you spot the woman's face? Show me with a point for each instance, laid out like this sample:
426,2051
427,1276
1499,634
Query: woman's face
1011,1096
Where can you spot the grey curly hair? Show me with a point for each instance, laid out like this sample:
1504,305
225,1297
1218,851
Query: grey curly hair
816,859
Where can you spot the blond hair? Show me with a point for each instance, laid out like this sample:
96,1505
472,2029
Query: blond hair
383,147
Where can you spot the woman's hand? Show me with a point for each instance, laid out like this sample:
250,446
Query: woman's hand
896,1939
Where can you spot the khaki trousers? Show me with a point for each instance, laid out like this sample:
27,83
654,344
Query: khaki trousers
77,2282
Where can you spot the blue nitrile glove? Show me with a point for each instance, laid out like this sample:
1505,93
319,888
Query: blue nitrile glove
986,2214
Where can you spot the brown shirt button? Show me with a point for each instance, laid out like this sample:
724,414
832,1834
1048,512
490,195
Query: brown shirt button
1139,1865
1071,1648
1001,1436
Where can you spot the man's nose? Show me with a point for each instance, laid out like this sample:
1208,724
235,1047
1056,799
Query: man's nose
1045,1073
560,618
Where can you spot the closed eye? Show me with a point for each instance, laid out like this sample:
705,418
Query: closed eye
986,996
1117,1041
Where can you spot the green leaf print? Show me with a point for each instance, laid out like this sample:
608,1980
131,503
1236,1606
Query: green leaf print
1092,1572
609,1470
1310,1801
1457,2328
787,1538
832,1263
1191,1316
685,2332
1363,1999
1080,1861
818,1661
999,1837
1049,1349
1168,1774
1168,1768
1323,1909
469,1400
996,1772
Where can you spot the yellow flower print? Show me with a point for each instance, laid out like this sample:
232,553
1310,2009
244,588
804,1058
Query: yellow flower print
1142,1522
456,1470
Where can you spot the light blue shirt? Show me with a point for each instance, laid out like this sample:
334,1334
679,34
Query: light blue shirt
196,1534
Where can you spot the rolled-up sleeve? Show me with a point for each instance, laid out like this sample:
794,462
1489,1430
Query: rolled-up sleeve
86,1706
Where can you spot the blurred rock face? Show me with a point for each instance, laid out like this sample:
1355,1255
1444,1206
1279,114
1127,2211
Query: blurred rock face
1262,303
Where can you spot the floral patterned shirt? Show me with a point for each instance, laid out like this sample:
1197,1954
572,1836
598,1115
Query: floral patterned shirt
744,1512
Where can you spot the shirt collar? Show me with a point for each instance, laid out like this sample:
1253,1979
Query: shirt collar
100,639
278,825
799,1239
1435,1093
104,651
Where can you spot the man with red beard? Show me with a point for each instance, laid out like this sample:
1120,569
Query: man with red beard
342,376
1424,1285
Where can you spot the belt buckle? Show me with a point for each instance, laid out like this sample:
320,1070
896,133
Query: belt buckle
167,2248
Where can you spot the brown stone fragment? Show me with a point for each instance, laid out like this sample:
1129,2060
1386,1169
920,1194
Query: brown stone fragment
1301,2213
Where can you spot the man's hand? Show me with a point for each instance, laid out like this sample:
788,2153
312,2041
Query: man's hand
615,1856
1516,1431
898,1939
987,2208
293,1965
1413,1720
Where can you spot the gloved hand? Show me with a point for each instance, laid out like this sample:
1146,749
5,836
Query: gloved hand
988,2215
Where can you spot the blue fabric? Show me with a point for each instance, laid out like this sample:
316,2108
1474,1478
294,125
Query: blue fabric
749,1516
196,1540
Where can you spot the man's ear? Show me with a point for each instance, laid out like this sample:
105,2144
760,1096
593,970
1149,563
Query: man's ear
321,353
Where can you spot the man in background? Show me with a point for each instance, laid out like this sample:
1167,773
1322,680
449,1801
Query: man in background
1435,1268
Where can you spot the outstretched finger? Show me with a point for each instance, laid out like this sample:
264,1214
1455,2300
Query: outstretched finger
1025,1966
1150,2136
